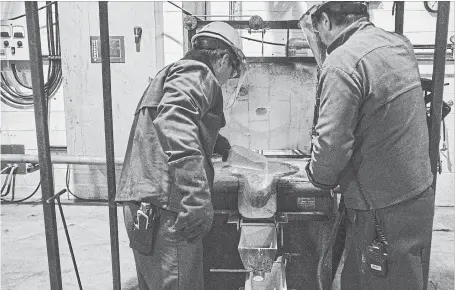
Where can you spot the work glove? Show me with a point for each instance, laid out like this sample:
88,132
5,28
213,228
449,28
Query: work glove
222,147
193,223
196,215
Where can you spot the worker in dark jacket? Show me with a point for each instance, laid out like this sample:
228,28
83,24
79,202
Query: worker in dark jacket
372,141
168,160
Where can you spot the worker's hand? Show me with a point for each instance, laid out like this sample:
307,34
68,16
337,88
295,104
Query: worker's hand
191,185
222,147
193,223
313,181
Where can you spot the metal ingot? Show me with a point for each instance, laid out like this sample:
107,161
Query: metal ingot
258,248
275,280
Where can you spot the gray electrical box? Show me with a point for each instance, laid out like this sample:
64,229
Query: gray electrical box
116,45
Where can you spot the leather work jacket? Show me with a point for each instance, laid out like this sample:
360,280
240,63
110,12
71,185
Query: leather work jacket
175,127
372,138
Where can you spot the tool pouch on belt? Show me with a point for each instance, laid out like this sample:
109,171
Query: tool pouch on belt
145,229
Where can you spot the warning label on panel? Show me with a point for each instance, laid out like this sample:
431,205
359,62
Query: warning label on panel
116,49
307,203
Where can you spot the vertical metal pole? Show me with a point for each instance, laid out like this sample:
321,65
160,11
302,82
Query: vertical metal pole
42,135
437,87
399,16
109,139
440,51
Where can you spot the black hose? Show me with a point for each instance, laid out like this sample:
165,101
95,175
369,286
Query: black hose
68,188
24,199
9,181
13,187
54,79
5,182
18,80
5,185
13,190
9,95
265,42
57,29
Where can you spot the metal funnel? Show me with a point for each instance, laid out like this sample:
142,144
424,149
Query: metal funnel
258,248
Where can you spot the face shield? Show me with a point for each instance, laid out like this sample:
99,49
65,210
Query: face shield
312,35
233,86
239,63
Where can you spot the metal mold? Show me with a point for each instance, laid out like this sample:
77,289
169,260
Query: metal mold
258,248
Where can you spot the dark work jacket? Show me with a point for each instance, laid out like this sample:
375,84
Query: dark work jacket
176,123
372,123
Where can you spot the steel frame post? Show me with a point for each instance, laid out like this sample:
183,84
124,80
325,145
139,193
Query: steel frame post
437,87
440,51
399,16
109,140
42,135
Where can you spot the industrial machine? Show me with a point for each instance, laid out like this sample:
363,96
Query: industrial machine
279,252
270,110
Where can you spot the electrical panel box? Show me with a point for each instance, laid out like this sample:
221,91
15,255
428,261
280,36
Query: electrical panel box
116,52
14,40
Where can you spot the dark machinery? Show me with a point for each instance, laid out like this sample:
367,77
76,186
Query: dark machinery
282,251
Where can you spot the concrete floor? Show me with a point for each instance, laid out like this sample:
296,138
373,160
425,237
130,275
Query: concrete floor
24,259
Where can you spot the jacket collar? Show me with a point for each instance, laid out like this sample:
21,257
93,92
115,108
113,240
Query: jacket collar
346,33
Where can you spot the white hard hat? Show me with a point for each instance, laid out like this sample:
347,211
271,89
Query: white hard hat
227,34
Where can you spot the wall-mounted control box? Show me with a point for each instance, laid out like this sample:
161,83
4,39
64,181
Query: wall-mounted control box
13,41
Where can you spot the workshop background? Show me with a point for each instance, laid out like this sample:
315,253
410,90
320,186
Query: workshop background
76,124
76,118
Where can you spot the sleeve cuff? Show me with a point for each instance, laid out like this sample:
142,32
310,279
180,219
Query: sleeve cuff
313,180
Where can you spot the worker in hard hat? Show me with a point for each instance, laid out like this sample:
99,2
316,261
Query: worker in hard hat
167,176
372,141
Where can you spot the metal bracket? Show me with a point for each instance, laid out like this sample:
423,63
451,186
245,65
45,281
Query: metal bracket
282,218
234,219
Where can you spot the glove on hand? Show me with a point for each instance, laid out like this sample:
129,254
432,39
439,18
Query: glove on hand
222,147
193,223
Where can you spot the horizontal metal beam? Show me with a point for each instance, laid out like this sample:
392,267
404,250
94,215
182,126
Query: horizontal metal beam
88,160
281,59
229,271
428,46
244,24
58,159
